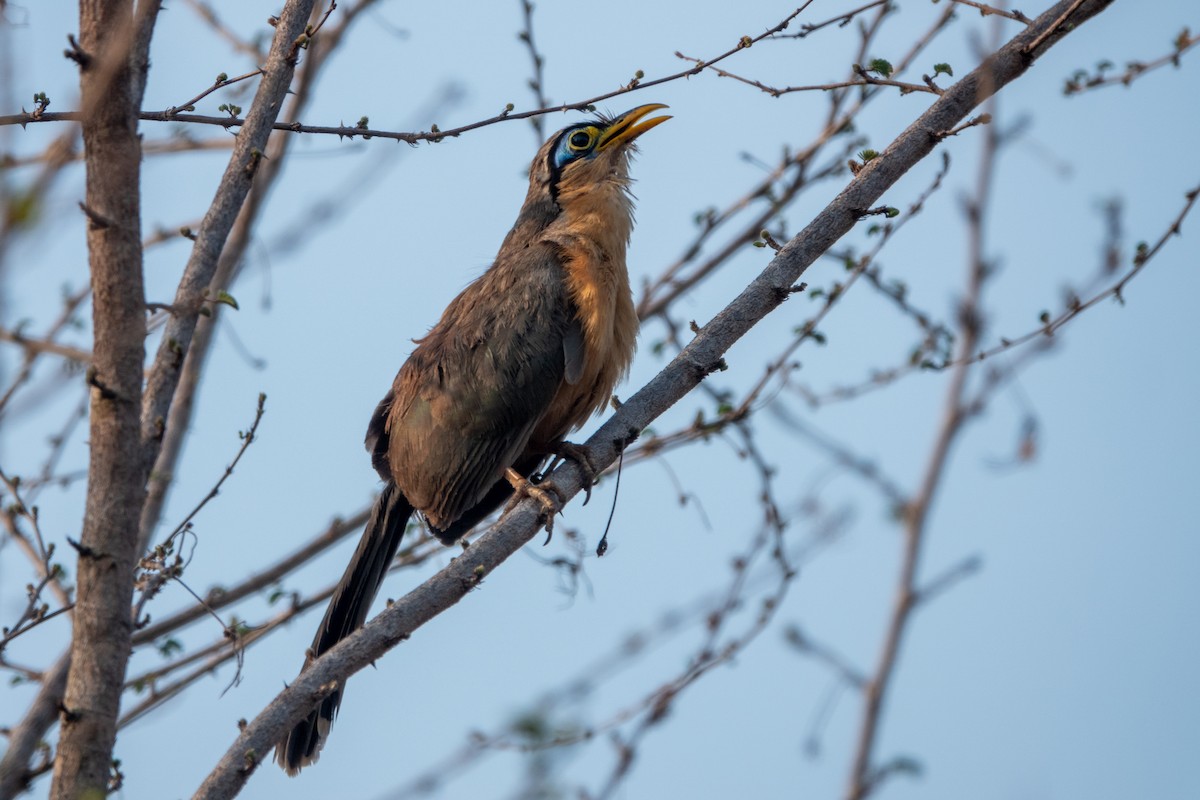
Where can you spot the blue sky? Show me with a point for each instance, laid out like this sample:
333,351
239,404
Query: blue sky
1064,668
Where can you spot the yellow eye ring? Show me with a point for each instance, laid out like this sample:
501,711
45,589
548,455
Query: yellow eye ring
581,140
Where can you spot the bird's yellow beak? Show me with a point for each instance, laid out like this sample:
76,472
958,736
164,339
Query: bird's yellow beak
627,127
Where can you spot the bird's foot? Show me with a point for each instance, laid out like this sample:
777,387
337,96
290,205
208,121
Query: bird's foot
581,455
545,493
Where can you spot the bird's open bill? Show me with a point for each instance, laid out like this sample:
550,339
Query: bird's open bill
627,127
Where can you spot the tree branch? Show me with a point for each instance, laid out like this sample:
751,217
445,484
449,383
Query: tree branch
218,222
701,357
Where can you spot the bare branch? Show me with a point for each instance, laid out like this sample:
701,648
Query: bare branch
986,10
864,776
1081,81
864,79
220,83
214,230
841,21
539,61
434,134
1051,325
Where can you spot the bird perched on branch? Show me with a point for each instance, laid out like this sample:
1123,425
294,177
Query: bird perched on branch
523,356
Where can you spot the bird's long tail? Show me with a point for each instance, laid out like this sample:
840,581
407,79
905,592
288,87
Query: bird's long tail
346,613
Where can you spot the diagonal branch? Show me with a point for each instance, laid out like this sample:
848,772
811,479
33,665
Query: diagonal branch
235,184
701,357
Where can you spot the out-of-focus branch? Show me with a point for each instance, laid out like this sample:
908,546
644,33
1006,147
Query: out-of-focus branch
539,61
986,10
36,347
1050,324
209,15
25,739
1076,306
841,21
713,651
1081,81
865,776
38,552
70,305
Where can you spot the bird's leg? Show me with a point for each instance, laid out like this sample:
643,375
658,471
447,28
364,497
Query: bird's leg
537,487
523,488
581,455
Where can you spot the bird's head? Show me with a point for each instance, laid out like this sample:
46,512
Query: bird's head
589,155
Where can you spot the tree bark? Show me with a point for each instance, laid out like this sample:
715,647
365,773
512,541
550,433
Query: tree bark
112,58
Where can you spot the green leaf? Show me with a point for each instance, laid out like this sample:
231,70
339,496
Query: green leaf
882,66
168,647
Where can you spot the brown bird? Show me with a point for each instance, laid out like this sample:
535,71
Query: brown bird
524,355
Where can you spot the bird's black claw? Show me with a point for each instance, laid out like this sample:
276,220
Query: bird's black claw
581,455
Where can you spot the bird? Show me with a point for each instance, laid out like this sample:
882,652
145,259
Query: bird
524,355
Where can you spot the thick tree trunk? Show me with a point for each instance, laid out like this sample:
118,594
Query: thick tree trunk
111,55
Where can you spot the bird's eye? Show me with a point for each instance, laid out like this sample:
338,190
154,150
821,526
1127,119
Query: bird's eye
580,140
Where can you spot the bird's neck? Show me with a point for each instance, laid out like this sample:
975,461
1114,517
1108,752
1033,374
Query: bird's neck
592,232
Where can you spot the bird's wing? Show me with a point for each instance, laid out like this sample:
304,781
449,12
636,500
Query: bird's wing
573,352
469,397
377,437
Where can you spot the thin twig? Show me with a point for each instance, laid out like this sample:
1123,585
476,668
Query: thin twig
70,304
535,83
434,134
986,10
1081,81
864,79
47,345
221,82
1051,325
207,13
841,21
865,777
158,567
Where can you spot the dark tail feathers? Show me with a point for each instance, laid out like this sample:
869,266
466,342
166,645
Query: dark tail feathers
346,613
